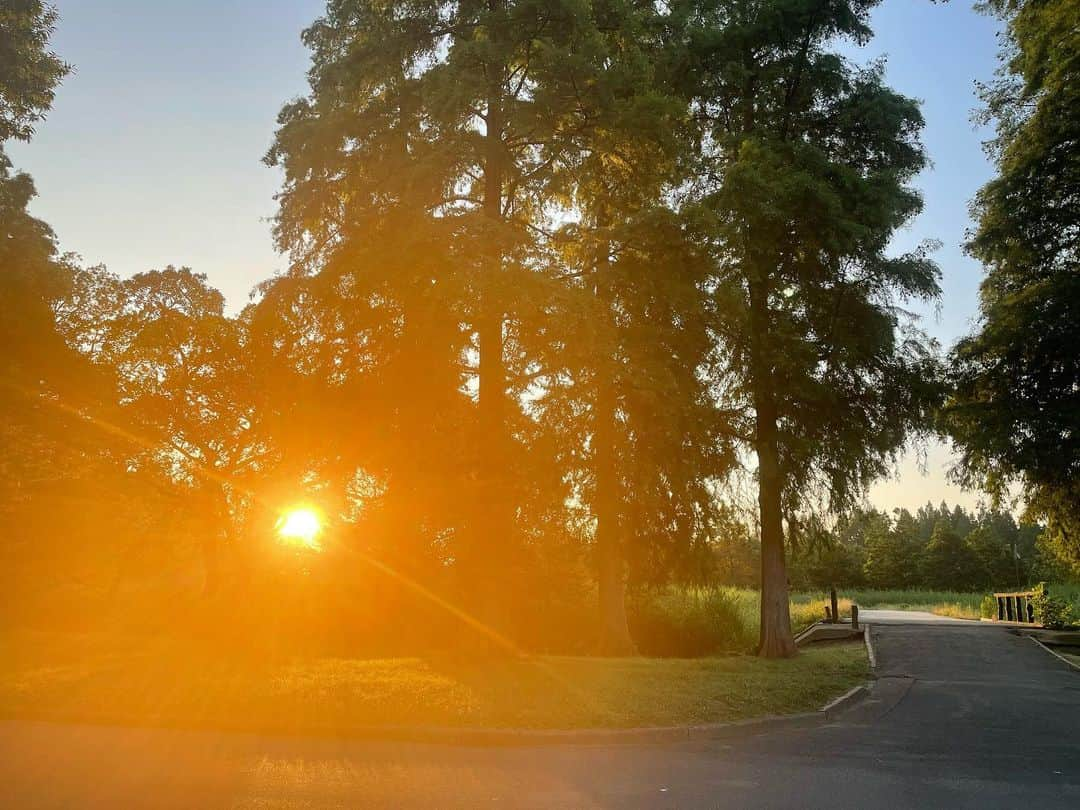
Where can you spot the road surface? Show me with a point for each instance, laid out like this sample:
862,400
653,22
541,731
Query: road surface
963,715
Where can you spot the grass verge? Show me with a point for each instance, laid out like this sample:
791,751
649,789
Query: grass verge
167,684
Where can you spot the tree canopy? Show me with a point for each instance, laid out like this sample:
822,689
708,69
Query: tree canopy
1015,414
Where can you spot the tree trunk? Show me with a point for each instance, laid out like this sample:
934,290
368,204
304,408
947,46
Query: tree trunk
492,541
614,636
776,640
614,632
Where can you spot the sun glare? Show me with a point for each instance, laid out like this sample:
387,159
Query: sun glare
301,526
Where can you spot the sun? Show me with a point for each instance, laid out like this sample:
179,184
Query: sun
301,526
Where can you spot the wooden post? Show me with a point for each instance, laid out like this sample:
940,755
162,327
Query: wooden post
835,607
854,616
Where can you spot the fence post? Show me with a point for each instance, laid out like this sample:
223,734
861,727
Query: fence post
835,608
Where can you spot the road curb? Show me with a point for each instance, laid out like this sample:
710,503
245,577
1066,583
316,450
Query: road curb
482,737
869,646
1056,655
629,736
845,701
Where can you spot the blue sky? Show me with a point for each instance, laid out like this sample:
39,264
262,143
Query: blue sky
152,153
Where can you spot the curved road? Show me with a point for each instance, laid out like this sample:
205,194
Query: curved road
962,715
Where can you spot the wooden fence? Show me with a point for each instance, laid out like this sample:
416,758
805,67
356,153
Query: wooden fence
1015,607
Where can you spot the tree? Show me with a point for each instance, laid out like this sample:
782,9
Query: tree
188,392
42,381
1015,410
441,123
892,555
633,337
29,71
806,175
485,182
949,563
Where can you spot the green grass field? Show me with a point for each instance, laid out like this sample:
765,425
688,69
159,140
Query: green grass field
164,683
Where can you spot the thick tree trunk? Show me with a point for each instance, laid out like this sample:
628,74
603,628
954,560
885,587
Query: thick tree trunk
614,636
776,640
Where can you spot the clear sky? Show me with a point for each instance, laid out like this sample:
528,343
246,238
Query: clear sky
152,153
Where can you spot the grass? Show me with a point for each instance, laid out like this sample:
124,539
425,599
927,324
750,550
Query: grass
681,621
111,680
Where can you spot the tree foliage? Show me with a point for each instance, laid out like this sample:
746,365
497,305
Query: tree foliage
1015,413
806,171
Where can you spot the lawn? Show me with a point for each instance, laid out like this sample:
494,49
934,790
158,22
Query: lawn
166,683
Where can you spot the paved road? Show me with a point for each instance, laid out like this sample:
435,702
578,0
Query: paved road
963,715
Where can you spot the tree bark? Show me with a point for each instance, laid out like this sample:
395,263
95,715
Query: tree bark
614,631
776,639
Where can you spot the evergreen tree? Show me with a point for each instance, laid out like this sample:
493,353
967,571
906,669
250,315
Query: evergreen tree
949,563
1015,413
805,176
439,150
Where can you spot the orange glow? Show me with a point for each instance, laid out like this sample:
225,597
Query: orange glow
301,526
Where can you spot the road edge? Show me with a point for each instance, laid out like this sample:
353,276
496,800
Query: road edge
509,737
1058,656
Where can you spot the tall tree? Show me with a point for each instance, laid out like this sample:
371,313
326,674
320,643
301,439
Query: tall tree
442,123
1015,413
806,174
629,339
37,368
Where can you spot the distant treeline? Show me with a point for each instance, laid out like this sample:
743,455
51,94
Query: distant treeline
936,548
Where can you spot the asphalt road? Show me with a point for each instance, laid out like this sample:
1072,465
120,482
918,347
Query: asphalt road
962,715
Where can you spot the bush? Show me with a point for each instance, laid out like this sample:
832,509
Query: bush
1051,611
988,608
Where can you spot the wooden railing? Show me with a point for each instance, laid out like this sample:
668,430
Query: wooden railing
1015,607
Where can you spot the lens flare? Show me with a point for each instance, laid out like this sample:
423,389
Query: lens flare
301,526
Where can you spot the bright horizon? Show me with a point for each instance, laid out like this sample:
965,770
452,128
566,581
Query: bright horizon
164,122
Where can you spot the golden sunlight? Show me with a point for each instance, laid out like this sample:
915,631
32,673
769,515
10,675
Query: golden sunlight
301,526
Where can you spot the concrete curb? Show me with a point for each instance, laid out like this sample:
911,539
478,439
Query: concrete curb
869,646
845,701
828,631
1058,656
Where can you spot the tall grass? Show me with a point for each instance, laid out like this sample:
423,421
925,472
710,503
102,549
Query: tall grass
679,621
685,621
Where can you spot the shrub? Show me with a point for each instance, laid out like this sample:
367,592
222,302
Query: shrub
1051,611
988,608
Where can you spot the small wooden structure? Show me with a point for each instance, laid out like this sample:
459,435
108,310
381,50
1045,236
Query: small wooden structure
1015,607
